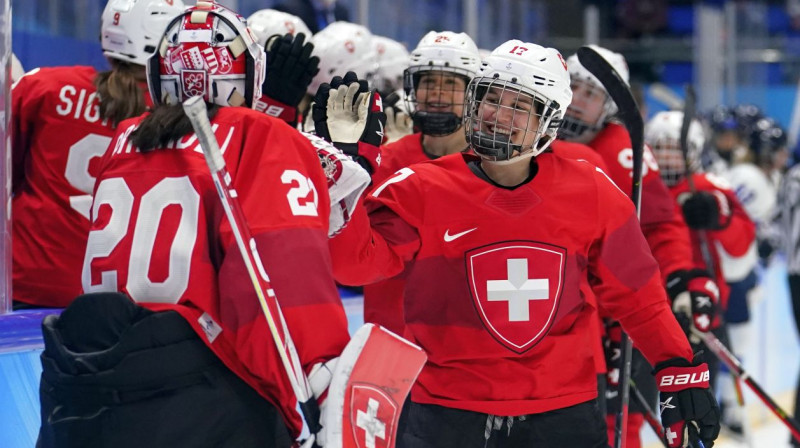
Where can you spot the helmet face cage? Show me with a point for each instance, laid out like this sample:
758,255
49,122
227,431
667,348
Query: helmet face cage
499,120
435,98
671,165
583,119
207,51
663,137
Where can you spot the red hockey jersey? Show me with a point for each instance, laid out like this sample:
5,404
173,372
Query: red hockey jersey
498,280
57,137
159,233
578,151
383,301
735,238
665,231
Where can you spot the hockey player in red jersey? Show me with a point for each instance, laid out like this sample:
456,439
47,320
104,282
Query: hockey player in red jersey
159,236
713,208
62,121
500,251
442,65
590,119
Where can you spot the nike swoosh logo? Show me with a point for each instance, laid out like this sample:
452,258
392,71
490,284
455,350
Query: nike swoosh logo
448,238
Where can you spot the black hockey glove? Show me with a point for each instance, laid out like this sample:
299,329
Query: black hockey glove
706,211
695,299
612,344
349,115
689,411
290,69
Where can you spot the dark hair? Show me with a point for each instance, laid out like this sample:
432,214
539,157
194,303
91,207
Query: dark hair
119,91
165,124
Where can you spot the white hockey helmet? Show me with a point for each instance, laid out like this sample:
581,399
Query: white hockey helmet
439,51
268,22
393,58
535,78
663,134
130,29
343,47
207,51
577,129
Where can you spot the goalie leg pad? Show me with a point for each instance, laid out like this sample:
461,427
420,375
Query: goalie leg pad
370,383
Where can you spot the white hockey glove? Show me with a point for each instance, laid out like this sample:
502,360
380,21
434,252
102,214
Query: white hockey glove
347,180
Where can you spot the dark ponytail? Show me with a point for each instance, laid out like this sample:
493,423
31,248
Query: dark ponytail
167,123
119,91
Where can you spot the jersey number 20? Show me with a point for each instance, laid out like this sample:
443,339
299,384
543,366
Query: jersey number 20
115,193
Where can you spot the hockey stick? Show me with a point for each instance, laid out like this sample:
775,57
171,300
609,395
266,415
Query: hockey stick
195,109
650,415
727,358
688,115
621,94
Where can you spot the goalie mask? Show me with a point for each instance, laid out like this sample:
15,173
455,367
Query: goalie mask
663,136
591,106
267,22
438,73
207,51
130,29
515,104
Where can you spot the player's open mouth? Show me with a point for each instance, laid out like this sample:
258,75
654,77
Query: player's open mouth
502,131
438,107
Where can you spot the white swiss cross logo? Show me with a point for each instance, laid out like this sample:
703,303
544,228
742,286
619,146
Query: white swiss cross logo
372,417
671,436
369,422
517,290
516,287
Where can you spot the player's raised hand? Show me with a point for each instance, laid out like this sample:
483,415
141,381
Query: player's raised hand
350,115
290,69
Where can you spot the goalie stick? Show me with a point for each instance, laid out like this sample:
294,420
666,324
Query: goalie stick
195,109
629,113
364,398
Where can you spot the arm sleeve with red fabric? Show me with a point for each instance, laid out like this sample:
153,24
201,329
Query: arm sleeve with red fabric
376,245
740,232
283,197
625,277
663,227
26,100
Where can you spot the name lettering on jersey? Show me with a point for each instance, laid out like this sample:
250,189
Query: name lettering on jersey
79,104
124,146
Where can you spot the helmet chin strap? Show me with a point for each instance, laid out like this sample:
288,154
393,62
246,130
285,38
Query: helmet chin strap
436,124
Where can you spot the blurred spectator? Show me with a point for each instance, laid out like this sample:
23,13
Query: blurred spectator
317,14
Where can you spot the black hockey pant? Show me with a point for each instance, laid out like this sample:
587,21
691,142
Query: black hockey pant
118,375
431,426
